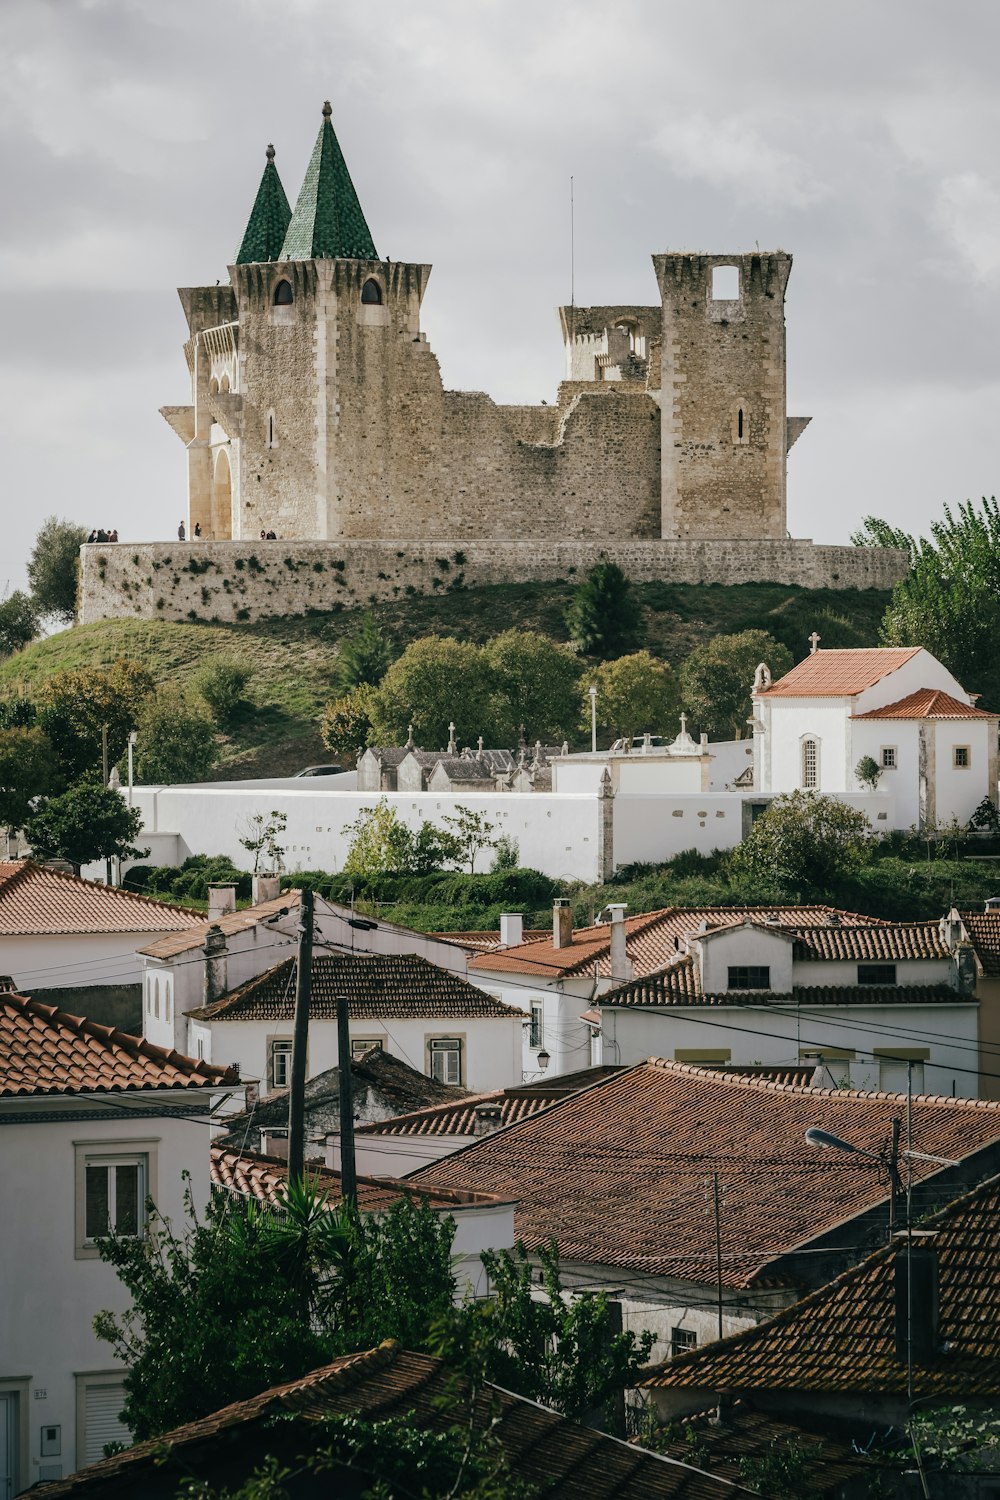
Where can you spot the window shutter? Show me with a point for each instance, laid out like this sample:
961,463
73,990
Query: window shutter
102,1424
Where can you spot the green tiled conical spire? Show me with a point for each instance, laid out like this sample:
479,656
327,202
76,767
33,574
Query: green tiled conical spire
269,218
328,223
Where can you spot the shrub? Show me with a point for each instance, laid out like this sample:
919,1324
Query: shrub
221,683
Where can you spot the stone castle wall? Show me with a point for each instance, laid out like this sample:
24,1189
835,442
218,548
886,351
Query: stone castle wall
229,581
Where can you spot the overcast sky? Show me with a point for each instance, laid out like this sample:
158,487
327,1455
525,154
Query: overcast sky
861,137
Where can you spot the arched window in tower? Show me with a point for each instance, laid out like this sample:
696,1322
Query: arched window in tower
283,296
371,293
739,424
272,436
810,764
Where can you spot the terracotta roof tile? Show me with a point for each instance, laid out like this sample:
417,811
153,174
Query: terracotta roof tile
842,1336
37,900
376,985
882,942
617,1173
505,1106
983,929
231,923
543,1449
265,1179
840,673
486,942
44,1050
928,703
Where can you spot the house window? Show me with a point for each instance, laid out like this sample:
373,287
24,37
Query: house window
749,977
810,764
887,757
99,1402
682,1339
280,1070
362,1044
371,293
536,1031
962,757
113,1182
876,973
283,296
446,1059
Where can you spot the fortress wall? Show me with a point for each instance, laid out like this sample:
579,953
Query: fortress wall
230,581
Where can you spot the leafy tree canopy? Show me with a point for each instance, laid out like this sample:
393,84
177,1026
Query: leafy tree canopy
52,568
175,740
604,617
261,838
470,831
74,706
222,682
18,622
382,842
534,684
717,678
365,656
85,823
436,681
28,770
635,695
806,842
346,722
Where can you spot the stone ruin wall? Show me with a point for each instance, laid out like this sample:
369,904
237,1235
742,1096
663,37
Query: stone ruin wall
232,581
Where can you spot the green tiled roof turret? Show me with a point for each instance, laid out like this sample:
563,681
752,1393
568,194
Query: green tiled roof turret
328,223
269,218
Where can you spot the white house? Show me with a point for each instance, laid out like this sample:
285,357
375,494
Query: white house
877,1004
59,932
91,1122
935,750
430,1017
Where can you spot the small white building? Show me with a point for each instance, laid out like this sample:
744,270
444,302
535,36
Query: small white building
92,1122
428,1016
935,751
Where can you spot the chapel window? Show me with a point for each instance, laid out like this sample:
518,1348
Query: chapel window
283,295
371,293
810,764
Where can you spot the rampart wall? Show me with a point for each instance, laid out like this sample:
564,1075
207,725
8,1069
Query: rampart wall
229,581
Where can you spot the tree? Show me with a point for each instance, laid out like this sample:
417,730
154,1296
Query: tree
175,740
86,823
27,771
435,682
717,678
346,722
222,682
804,841
364,657
381,842
534,684
18,622
53,567
74,706
17,713
868,771
244,1298
603,617
635,694
470,832
949,602
261,840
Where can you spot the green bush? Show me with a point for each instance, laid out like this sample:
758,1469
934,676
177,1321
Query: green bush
222,682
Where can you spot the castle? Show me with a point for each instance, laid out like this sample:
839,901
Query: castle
318,413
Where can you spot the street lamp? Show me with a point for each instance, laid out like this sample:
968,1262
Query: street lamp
888,1157
543,1059
592,690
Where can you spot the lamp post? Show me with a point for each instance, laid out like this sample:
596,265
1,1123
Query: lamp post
592,690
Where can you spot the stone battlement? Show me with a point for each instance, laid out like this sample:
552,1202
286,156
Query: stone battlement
247,580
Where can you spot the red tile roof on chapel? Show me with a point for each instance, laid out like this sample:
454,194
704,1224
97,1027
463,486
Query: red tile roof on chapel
840,673
38,901
928,703
44,1050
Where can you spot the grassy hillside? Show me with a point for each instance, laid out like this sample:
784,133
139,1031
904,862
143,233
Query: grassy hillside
293,659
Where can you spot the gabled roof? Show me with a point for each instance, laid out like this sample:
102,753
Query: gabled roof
544,1450
461,1116
840,673
265,1180
44,1050
679,985
328,223
983,928
841,1337
617,1173
652,939
38,901
269,219
231,923
376,985
928,703
883,942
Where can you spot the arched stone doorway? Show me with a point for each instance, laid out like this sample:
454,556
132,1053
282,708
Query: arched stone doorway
222,498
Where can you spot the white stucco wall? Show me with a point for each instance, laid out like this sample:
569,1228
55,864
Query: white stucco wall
750,946
50,1297
76,959
921,671
960,790
566,1038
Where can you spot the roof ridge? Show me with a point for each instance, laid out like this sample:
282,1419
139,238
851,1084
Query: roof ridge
426,1111
765,1085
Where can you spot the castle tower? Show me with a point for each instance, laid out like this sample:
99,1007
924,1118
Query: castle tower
725,435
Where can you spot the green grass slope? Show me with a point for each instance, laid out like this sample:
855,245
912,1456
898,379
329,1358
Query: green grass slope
294,660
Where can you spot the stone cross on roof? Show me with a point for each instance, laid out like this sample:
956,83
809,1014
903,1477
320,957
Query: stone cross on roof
814,641
452,747
409,737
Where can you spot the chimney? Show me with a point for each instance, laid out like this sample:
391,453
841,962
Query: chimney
216,963
621,967
266,888
485,1119
916,1297
511,929
221,901
562,923
992,903
965,969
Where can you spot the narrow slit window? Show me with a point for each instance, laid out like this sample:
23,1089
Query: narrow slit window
739,423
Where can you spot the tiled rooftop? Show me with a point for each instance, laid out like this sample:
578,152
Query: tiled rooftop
35,900
232,923
928,703
618,1173
652,939
842,1336
983,928
840,673
679,985
882,942
375,984
44,1050
460,1117
265,1179
556,1458
486,942
328,222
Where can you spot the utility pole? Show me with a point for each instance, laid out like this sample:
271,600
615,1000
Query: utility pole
104,783
300,1043
348,1167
